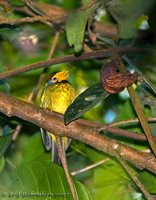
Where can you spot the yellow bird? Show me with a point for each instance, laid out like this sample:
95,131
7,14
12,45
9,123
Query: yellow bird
57,95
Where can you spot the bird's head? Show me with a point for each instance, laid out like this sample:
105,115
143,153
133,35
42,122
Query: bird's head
57,77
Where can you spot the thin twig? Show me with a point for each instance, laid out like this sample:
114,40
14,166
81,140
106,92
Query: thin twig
79,171
101,28
10,163
105,53
132,174
16,132
127,122
54,44
118,131
42,76
63,159
126,133
45,16
30,20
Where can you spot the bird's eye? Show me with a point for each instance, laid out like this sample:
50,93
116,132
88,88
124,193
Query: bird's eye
54,79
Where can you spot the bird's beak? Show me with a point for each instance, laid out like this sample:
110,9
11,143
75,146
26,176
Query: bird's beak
50,82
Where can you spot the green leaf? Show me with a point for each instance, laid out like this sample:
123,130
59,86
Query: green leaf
85,1
95,155
111,182
17,2
83,193
2,163
126,13
43,179
149,180
84,102
75,28
5,134
40,153
9,32
6,130
4,143
4,86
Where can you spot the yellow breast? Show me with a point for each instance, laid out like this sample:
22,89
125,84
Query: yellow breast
58,97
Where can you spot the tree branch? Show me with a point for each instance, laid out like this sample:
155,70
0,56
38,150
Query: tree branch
51,12
26,20
118,131
53,122
105,53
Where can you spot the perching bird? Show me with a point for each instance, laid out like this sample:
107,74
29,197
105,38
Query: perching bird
57,95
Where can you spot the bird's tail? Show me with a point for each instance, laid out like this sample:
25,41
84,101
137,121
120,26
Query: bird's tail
55,153
50,143
46,138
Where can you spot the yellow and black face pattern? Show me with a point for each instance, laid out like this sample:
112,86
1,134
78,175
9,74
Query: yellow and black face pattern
58,93
57,77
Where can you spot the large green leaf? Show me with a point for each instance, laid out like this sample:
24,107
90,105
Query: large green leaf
39,152
2,163
149,180
126,13
84,102
5,140
111,182
17,2
75,28
95,155
42,179
9,32
4,86
85,1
